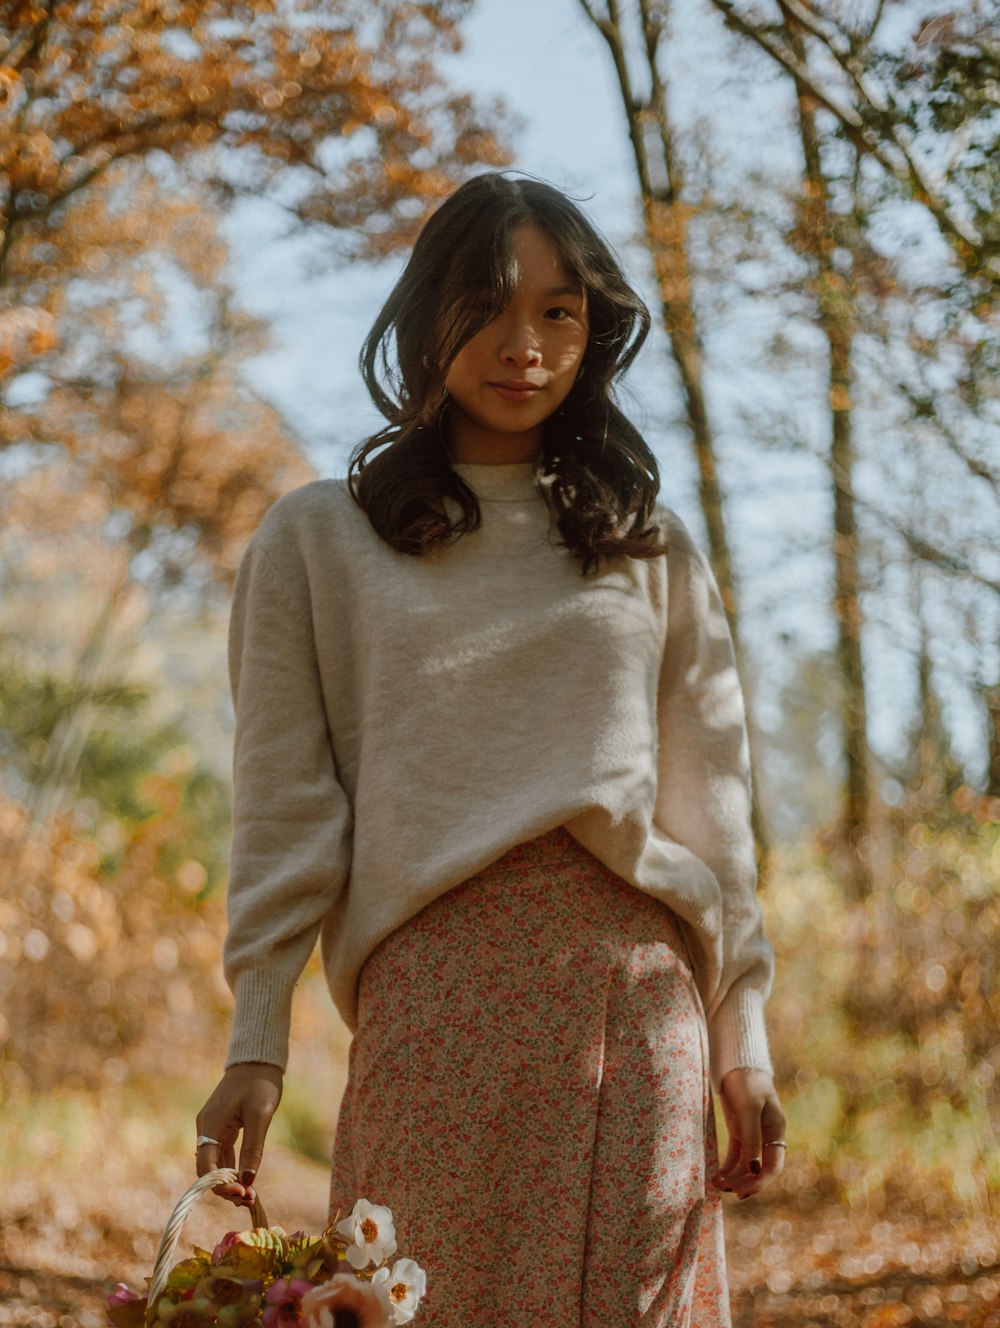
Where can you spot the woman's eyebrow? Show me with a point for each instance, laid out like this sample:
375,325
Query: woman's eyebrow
562,290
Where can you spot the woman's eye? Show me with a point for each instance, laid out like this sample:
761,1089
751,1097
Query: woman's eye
558,313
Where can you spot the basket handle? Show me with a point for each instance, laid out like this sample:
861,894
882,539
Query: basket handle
172,1233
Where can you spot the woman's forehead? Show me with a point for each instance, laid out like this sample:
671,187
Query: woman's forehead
539,262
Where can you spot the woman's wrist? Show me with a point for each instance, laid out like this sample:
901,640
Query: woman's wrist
745,1069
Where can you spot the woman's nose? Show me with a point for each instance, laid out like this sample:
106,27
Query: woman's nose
521,346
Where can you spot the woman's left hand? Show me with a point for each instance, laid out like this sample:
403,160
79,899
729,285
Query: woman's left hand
754,1120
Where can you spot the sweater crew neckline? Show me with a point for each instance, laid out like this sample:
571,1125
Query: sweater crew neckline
503,483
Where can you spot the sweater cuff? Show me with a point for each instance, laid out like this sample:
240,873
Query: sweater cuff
262,1018
739,1035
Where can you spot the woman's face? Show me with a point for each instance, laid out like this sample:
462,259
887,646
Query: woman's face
514,373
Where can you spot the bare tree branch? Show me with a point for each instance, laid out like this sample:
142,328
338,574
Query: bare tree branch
610,30
917,544
871,96
588,9
924,406
869,138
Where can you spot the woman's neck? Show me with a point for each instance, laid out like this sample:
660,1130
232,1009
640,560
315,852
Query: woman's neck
467,442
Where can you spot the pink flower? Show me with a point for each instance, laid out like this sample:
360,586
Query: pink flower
125,1308
284,1301
344,1300
228,1239
121,1296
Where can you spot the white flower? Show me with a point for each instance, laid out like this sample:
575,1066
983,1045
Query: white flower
400,1290
371,1228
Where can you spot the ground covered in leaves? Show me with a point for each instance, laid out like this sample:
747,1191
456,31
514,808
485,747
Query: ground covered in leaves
62,1246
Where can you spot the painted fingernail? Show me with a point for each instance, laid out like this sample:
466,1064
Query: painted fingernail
247,1177
755,1166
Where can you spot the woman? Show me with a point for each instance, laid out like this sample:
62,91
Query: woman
491,745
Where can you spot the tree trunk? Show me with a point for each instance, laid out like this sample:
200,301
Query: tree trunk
665,218
835,304
991,698
934,775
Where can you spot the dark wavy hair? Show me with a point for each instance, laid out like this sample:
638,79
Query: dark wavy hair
602,478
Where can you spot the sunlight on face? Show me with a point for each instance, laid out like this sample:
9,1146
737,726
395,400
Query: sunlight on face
514,373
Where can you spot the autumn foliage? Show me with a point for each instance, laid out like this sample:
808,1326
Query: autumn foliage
136,458
104,974
127,133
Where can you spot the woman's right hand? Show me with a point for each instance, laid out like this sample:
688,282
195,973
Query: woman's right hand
245,1098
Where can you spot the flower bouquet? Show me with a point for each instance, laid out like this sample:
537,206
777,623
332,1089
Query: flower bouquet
338,1279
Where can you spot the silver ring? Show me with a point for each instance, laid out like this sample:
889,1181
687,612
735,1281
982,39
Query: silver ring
204,1139
776,1143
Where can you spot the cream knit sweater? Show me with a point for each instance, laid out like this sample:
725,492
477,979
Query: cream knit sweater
401,722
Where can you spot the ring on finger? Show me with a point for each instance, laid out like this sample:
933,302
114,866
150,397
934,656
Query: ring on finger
776,1143
204,1139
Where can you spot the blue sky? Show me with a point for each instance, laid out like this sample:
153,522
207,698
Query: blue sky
551,70
554,72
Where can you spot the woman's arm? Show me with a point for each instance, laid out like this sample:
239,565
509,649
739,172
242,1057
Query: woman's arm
704,802
703,793
291,840
291,817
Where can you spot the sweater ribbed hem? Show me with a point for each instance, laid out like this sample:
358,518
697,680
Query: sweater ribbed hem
262,1018
739,1035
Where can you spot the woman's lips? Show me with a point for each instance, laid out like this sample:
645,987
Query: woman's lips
514,391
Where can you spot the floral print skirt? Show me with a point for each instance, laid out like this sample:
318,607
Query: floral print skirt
528,1092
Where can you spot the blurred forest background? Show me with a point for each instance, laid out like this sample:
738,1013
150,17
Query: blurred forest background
856,485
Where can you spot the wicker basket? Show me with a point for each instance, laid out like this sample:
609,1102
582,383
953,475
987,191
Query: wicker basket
172,1233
